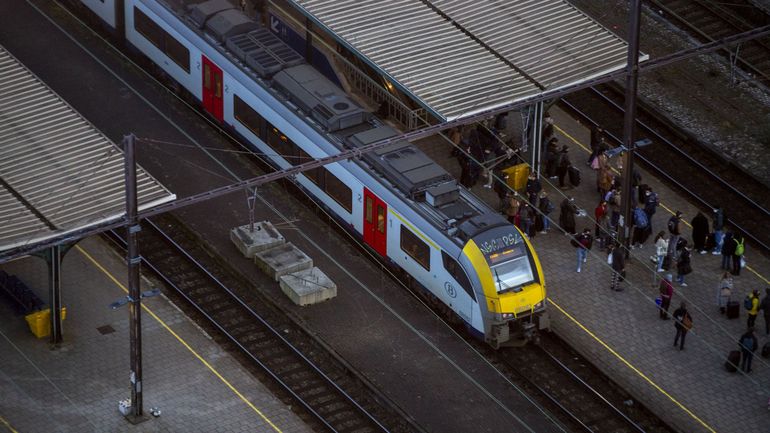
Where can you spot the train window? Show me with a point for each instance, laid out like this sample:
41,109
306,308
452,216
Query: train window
147,28
368,209
417,249
338,191
380,219
207,76
247,116
218,85
281,144
457,272
178,53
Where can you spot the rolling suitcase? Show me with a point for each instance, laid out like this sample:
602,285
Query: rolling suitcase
733,309
574,175
733,360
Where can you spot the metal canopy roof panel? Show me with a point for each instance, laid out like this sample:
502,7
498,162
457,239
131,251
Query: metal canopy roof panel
58,173
549,40
423,53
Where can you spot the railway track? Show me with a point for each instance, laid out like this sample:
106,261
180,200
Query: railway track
298,368
569,385
709,21
681,160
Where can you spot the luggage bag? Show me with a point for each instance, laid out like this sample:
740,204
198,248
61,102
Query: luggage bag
574,175
733,309
733,360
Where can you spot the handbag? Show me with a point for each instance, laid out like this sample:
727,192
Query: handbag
666,262
687,322
743,261
658,301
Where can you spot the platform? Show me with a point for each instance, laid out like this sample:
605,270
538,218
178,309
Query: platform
77,388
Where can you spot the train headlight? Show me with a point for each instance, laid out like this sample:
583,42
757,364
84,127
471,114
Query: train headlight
539,305
508,316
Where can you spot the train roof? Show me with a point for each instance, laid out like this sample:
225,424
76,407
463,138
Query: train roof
458,57
58,174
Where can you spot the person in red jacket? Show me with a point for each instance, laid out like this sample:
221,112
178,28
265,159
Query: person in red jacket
666,293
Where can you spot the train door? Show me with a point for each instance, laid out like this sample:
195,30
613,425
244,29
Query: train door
212,89
375,222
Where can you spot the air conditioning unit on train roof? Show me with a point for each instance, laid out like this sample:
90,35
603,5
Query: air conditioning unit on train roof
317,96
220,19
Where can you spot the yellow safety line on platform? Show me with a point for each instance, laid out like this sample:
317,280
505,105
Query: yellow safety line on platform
667,209
5,423
181,340
634,369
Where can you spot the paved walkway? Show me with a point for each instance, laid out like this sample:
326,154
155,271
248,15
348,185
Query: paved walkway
77,388
621,331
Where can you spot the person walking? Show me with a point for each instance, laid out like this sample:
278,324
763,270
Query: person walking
666,293
748,343
754,310
683,266
546,207
567,215
718,224
700,232
683,323
661,249
724,291
739,240
764,306
617,259
728,250
583,242
600,223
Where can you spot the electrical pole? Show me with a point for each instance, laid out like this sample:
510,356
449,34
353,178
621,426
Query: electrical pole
134,297
632,74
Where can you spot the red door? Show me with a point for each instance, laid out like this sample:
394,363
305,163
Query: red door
212,89
375,223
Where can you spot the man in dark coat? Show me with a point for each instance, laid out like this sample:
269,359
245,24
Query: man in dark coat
700,231
562,165
728,250
748,343
618,259
683,323
567,216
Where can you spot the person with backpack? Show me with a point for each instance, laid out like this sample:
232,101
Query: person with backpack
751,303
748,343
764,306
666,290
583,242
683,266
738,254
718,224
728,250
700,232
641,224
683,323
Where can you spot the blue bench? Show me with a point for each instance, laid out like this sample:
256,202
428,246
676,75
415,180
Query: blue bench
25,298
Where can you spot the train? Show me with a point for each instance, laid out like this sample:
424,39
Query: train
462,255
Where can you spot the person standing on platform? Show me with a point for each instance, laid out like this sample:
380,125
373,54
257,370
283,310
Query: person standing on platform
641,225
533,188
700,231
674,228
583,242
683,265
596,139
754,310
719,225
738,254
724,291
600,224
527,219
546,207
683,323
551,157
512,204
651,202
562,165
764,306
567,215
748,343
666,293
728,250
661,249
617,259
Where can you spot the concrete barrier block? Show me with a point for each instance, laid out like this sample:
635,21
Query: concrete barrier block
264,237
281,260
308,287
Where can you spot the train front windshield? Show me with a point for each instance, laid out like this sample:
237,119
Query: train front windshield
509,261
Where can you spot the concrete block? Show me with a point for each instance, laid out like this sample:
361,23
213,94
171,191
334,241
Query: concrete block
264,237
281,260
308,287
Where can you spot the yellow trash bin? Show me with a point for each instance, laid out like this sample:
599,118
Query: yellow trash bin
517,176
40,321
